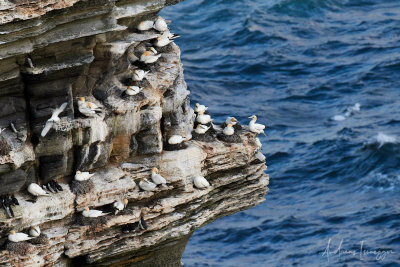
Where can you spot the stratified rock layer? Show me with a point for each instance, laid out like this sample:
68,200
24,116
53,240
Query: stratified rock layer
85,48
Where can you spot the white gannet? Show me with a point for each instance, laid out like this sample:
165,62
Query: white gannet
36,190
256,127
149,57
82,176
145,25
157,178
139,75
53,119
231,120
120,205
176,139
203,118
92,213
146,185
18,237
258,143
160,24
198,108
87,108
201,129
162,41
132,90
165,39
200,182
34,231
228,130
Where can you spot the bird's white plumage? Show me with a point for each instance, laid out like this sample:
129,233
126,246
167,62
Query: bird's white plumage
36,190
145,25
53,119
149,57
83,176
93,213
228,130
34,231
258,143
175,139
201,129
146,185
200,182
120,205
157,178
160,24
200,108
87,108
256,127
231,120
139,75
162,40
133,90
18,237
203,118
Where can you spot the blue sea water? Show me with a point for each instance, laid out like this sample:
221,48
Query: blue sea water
302,66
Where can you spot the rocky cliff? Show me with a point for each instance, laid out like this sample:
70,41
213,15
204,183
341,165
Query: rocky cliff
53,52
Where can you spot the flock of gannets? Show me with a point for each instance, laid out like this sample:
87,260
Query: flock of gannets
34,232
203,120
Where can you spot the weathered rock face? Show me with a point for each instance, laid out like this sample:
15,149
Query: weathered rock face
82,48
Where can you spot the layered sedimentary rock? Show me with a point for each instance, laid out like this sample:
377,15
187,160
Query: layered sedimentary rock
86,49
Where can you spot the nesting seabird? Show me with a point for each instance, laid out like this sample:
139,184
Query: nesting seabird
145,25
149,57
131,91
82,176
160,24
88,108
146,185
201,129
36,190
165,39
176,139
200,182
157,178
228,130
256,127
92,213
139,74
34,231
198,108
203,118
18,237
120,205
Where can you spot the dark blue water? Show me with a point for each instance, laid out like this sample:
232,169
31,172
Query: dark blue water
297,64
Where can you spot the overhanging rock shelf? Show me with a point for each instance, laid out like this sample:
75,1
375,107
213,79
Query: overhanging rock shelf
85,48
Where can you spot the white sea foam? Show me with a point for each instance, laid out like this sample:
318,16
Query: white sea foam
382,139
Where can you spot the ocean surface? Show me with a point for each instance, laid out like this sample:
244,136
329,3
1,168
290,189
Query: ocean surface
324,75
